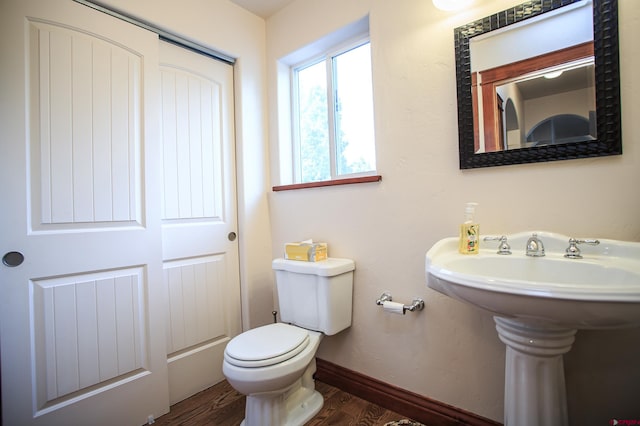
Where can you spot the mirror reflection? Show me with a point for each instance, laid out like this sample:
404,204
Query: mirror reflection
555,105
534,84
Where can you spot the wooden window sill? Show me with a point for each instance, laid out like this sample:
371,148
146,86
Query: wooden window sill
364,179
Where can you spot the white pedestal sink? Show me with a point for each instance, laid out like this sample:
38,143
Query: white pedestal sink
539,303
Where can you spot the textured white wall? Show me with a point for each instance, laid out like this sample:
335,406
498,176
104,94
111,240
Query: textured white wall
450,351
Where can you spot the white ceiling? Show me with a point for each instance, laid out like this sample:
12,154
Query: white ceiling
263,8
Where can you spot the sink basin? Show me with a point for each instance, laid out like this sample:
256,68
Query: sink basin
601,290
539,303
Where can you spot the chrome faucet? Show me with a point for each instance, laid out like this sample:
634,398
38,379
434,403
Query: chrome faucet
573,252
535,248
504,247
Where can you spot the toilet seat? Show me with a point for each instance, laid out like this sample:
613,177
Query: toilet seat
267,345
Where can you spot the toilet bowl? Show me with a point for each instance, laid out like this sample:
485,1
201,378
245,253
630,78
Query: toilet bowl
279,387
273,365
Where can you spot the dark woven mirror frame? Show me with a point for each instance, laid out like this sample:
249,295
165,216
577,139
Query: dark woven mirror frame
607,75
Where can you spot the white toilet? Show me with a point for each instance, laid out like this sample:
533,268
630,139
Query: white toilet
273,365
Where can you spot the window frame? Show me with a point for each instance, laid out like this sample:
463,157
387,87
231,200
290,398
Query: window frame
328,57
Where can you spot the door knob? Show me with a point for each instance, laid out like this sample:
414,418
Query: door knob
232,236
12,259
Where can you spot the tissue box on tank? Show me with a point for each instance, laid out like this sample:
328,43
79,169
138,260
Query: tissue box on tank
317,296
306,251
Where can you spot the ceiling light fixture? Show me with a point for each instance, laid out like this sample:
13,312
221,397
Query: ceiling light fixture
553,74
451,5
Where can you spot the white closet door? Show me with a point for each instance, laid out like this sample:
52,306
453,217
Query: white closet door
201,271
82,318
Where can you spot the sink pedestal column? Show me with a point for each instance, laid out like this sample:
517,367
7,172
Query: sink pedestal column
534,387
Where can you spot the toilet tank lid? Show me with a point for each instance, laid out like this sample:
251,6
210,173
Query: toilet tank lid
325,268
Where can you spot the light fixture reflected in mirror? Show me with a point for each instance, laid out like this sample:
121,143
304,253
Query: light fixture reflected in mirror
552,75
451,5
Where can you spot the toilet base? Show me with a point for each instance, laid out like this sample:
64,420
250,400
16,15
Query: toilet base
293,406
298,416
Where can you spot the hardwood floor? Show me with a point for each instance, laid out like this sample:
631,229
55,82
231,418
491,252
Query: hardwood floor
221,405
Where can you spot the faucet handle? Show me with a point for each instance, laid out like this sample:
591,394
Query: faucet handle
503,247
573,252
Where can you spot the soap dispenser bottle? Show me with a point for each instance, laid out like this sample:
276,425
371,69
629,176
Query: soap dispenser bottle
469,232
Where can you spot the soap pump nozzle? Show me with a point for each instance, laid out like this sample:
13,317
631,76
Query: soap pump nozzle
469,211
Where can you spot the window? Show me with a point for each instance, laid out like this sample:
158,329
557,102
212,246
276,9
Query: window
332,108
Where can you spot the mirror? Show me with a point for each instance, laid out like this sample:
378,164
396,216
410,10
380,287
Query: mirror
511,109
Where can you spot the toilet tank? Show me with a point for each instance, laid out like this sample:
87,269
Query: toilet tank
315,295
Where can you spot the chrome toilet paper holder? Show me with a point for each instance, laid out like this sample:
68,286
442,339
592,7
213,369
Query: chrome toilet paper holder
416,305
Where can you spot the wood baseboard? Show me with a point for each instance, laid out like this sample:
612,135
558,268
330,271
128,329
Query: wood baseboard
414,406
